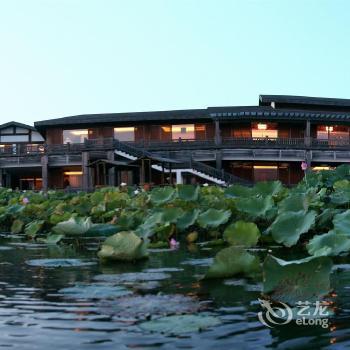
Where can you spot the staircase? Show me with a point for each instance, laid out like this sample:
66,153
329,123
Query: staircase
199,169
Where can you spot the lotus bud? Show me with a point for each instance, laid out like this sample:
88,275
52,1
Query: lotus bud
174,244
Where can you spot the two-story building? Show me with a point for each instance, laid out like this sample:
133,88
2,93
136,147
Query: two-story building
217,144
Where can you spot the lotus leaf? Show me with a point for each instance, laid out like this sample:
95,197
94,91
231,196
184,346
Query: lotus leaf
161,195
232,261
33,228
17,226
330,243
242,233
187,219
298,280
188,192
288,226
255,206
75,226
123,246
213,218
341,222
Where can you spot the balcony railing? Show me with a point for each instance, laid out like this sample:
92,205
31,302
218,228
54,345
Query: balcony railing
105,144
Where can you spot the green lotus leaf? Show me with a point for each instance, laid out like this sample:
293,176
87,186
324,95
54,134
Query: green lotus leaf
56,218
161,195
52,238
298,280
123,246
171,215
103,230
295,202
188,192
340,196
98,209
33,228
255,206
330,243
232,261
237,191
288,226
268,188
17,226
15,209
242,233
97,198
187,219
179,324
342,185
213,218
325,219
341,222
75,226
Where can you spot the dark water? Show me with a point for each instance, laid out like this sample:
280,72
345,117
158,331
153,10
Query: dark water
38,312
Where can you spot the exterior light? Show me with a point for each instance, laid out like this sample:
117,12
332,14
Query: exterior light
329,128
73,173
319,168
262,126
265,167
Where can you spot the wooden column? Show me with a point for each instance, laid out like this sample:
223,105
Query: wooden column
1,175
217,133
44,172
308,134
142,172
86,171
111,172
218,158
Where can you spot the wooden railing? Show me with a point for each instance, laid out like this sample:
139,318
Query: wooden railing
180,144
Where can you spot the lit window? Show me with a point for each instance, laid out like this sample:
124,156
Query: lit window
183,131
75,136
264,130
125,133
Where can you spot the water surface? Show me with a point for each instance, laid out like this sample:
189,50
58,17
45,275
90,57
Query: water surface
47,304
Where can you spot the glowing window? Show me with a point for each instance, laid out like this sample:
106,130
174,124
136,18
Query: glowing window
75,136
183,131
125,133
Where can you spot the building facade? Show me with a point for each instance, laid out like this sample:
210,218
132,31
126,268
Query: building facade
217,144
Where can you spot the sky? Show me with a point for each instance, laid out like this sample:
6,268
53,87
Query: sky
67,57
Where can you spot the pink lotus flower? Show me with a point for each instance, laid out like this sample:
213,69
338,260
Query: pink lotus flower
174,244
304,166
25,200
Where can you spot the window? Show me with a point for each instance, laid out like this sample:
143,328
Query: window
75,136
72,179
333,132
264,130
125,133
182,131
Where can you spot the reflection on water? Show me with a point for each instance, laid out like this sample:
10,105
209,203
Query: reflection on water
84,307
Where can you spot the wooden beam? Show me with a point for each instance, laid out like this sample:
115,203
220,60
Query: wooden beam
44,172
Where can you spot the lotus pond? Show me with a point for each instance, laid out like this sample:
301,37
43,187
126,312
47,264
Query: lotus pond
185,267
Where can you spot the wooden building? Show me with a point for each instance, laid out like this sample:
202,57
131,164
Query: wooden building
217,144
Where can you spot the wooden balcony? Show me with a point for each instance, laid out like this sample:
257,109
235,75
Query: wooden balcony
101,145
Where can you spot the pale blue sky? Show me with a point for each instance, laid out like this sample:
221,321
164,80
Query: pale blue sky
67,57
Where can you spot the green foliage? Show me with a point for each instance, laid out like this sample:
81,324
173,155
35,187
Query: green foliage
242,233
232,261
330,243
289,225
292,281
213,218
123,246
